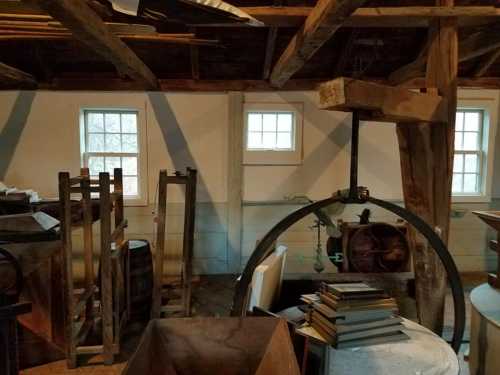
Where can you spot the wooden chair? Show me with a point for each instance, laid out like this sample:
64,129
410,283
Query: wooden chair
79,312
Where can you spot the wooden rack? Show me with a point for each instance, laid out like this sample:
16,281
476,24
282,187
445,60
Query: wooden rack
80,312
189,180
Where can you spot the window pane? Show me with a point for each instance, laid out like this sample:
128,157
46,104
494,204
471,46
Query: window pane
459,122
95,122
459,141
112,122
471,121
471,163
129,165
130,186
254,140
285,121
96,142
457,183
269,122
269,140
284,141
129,123
458,163
96,165
112,163
129,143
113,143
470,183
254,122
470,141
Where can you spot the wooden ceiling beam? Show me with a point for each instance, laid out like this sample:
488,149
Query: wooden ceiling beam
106,83
89,28
11,76
473,46
408,16
486,63
323,21
377,102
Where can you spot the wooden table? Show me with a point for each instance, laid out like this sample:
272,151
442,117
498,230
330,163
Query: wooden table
424,353
41,266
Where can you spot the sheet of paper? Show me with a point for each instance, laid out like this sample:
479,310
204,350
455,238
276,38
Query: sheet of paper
126,6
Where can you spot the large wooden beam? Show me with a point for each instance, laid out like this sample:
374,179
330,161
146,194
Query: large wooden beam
473,46
107,83
426,153
323,21
14,77
380,102
88,28
406,16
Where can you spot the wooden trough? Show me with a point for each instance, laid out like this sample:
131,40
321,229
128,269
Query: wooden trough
224,346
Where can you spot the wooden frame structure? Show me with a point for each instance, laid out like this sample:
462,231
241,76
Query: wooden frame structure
79,315
189,180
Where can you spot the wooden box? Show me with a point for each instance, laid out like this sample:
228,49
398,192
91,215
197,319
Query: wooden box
224,346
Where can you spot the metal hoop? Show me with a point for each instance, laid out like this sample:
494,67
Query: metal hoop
264,249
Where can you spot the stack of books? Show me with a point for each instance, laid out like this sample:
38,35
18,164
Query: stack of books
354,314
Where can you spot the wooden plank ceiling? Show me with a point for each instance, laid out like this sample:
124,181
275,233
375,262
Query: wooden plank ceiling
302,43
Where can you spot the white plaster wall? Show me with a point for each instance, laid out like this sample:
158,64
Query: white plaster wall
182,130
185,129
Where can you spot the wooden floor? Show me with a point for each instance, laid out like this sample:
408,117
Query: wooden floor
213,297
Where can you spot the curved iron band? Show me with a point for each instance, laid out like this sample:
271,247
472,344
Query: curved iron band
264,249
444,255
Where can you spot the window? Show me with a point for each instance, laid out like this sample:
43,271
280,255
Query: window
468,158
273,133
110,139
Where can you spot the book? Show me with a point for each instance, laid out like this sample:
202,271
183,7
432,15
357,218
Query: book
369,333
361,326
330,326
353,289
310,298
339,304
362,316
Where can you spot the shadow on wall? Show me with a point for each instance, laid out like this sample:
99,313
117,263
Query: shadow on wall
14,126
177,146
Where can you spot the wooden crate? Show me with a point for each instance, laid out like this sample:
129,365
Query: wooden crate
203,346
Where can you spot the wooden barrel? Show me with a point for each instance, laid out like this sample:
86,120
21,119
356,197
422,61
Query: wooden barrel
141,279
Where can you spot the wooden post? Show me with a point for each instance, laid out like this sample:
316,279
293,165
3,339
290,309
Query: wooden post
160,245
235,181
187,261
106,281
67,279
87,240
426,152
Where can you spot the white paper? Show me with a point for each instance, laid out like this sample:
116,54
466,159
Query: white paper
132,6
126,6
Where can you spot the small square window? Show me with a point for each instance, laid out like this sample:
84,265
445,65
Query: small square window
110,140
271,131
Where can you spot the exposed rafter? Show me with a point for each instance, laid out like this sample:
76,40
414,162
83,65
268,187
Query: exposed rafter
323,21
406,16
14,77
96,83
475,45
88,28
486,63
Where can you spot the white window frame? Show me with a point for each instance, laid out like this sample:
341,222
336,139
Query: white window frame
486,101
141,198
275,156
